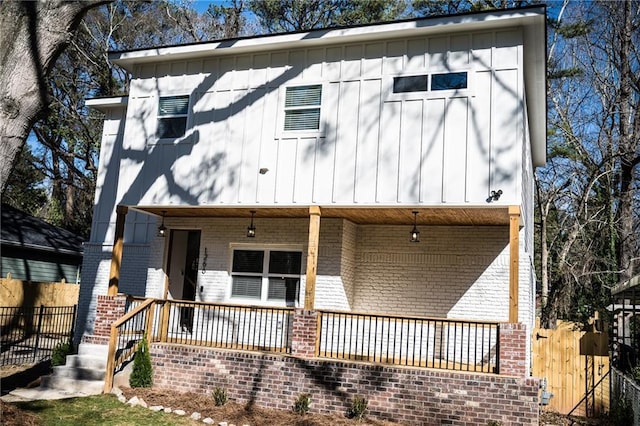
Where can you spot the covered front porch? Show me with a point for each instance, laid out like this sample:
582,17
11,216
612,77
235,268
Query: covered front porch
359,253
461,331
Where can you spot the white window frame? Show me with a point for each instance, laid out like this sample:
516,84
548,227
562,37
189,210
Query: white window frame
265,275
428,94
159,117
282,112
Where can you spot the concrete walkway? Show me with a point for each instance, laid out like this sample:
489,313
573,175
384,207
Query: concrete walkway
36,394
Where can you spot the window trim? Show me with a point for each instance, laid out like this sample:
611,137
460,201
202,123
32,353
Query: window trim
187,115
265,275
281,133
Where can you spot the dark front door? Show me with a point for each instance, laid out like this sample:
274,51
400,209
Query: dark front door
183,271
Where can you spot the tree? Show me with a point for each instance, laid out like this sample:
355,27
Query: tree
25,188
588,193
278,16
32,36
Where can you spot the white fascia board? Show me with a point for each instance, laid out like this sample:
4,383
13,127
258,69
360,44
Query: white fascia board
103,104
535,80
426,26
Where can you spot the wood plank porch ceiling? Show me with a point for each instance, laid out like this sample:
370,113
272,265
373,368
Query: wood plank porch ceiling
365,215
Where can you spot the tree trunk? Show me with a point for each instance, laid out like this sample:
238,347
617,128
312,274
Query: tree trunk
32,36
628,149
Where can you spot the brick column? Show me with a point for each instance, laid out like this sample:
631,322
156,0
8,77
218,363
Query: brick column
513,350
303,339
109,309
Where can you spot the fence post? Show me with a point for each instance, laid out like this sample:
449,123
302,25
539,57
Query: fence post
73,323
111,360
38,330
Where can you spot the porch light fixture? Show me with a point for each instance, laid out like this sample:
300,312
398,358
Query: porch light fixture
251,230
415,234
162,230
494,196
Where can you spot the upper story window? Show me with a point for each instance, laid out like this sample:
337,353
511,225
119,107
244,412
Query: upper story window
172,116
302,107
430,82
449,81
266,275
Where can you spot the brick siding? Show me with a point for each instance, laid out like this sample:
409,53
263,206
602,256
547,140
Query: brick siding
404,394
513,350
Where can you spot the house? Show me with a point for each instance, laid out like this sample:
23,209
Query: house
36,251
331,211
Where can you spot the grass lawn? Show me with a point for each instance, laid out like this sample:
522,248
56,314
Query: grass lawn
94,410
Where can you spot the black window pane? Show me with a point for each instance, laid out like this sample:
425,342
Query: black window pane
173,127
414,83
250,287
286,289
173,105
247,261
285,262
449,81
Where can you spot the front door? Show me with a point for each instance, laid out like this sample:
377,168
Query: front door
184,253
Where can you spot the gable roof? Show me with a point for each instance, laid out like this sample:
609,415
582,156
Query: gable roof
18,229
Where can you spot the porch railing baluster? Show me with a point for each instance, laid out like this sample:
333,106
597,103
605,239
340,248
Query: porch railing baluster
428,342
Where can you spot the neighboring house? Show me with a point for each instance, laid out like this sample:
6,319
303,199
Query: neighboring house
34,250
291,171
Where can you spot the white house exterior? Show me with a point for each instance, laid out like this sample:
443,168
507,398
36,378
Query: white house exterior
355,127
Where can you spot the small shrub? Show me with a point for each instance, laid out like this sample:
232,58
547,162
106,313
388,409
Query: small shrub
142,374
219,396
60,352
358,408
302,404
494,423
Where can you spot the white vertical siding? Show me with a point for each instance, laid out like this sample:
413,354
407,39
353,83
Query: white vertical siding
374,146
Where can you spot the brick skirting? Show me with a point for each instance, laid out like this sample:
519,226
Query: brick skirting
404,394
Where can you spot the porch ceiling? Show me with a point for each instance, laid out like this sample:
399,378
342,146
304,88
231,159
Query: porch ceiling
365,215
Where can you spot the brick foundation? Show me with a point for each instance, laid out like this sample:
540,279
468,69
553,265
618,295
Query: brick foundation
513,350
108,310
303,335
404,394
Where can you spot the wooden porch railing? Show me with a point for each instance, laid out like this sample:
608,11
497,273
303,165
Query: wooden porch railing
463,345
412,341
197,324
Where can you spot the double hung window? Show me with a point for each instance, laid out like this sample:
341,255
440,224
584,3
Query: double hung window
271,276
302,108
172,116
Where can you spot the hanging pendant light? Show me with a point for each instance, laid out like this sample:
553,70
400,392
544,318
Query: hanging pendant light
162,230
415,234
251,230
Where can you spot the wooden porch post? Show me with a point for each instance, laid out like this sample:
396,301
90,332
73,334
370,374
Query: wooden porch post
116,254
514,255
312,257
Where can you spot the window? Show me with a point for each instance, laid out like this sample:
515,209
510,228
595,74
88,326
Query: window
449,81
302,108
172,116
420,83
266,275
414,83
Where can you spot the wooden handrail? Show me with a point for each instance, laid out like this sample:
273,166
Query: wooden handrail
406,317
112,363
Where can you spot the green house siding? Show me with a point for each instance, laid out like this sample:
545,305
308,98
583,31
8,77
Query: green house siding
30,265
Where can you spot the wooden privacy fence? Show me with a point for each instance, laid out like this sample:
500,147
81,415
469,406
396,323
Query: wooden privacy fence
575,364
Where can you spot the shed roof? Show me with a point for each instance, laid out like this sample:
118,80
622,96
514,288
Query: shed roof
19,229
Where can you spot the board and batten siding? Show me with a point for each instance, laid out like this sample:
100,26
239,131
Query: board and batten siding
374,147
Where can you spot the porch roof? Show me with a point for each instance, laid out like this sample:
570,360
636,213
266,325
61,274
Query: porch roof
364,215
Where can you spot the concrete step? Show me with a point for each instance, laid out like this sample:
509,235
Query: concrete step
88,387
93,350
79,373
85,361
